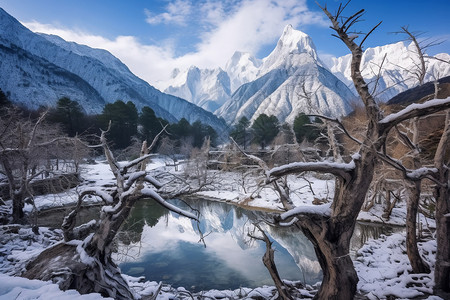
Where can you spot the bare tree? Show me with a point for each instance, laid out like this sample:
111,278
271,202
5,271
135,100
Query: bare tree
168,148
442,196
420,47
197,166
413,198
28,150
269,262
86,264
330,227
415,182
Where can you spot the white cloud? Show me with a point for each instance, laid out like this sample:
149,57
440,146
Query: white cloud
244,25
151,63
177,13
250,25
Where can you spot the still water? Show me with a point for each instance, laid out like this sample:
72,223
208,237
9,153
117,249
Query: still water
163,246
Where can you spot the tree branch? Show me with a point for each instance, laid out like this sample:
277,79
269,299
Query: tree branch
258,160
412,111
152,194
342,170
367,35
341,126
36,125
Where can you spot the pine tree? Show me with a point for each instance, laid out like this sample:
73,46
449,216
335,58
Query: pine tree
265,129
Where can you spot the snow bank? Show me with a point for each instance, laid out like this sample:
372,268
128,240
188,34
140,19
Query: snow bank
383,269
21,288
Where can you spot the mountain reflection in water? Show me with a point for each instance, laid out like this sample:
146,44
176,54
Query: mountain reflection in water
163,246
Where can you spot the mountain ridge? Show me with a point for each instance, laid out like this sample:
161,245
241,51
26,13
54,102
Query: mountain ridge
290,80
271,85
97,68
398,61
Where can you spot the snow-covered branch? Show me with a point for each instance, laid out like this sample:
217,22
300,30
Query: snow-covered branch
155,196
411,174
99,193
153,181
421,173
342,170
318,210
131,178
412,111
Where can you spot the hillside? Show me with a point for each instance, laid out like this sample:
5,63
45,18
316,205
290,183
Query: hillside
36,70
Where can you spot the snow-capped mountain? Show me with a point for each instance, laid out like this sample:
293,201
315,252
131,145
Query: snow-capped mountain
291,45
242,68
38,69
206,88
399,65
290,80
33,81
211,88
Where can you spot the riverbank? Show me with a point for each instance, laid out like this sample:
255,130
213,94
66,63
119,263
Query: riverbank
381,264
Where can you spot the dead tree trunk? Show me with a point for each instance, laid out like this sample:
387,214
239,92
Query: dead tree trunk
87,265
442,196
330,228
339,275
417,263
269,261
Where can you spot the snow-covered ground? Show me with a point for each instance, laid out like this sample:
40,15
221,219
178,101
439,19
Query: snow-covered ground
382,264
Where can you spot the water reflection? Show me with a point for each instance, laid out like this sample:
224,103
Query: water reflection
169,250
164,247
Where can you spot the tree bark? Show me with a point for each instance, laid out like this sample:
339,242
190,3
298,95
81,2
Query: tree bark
442,266
417,263
269,261
331,245
442,196
63,264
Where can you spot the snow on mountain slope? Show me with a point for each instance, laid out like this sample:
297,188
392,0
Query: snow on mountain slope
290,80
291,43
206,88
399,62
211,88
108,78
39,82
274,85
242,68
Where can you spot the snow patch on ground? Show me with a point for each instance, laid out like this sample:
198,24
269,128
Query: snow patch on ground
382,264
21,288
383,269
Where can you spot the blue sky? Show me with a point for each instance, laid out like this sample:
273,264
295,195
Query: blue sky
153,37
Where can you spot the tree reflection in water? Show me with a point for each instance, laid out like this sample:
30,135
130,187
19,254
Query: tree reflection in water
165,247
168,248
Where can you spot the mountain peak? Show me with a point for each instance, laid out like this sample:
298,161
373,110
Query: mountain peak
242,68
241,58
296,41
294,48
